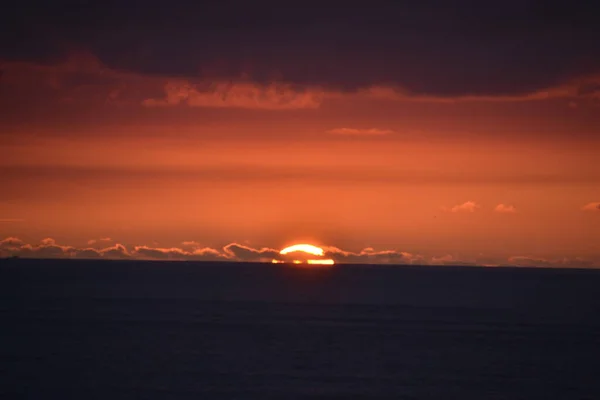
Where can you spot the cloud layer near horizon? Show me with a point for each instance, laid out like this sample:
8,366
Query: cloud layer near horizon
234,252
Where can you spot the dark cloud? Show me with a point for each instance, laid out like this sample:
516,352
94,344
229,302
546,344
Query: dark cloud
118,251
431,47
11,242
527,261
223,94
370,256
47,250
245,253
159,253
174,253
87,253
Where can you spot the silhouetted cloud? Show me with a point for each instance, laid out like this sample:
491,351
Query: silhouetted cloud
433,48
159,253
594,206
244,253
526,261
175,253
87,253
360,132
11,242
505,209
48,249
371,256
12,246
118,251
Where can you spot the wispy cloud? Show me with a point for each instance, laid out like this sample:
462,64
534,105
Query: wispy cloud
230,94
505,209
360,131
467,206
580,88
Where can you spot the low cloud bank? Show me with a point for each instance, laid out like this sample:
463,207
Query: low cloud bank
192,251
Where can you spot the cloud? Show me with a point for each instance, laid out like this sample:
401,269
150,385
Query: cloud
371,256
581,88
118,251
174,253
468,206
79,77
244,253
360,132
48,242
467,48
12,246
159,253
48,249
505,209
527,261
594,206
215,94
87,253
83,77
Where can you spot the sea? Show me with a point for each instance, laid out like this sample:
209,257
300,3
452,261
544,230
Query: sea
73,329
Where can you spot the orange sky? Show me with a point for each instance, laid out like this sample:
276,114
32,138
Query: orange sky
266,166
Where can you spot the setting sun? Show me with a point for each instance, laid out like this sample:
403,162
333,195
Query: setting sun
308,249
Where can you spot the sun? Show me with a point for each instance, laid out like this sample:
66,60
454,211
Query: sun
308,249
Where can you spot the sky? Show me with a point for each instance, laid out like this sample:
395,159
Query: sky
428,132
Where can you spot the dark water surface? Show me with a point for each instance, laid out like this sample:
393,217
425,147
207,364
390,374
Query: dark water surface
124,330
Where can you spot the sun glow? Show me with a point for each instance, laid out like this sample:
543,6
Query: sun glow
308,249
